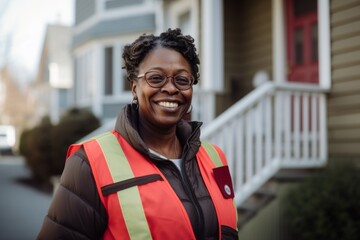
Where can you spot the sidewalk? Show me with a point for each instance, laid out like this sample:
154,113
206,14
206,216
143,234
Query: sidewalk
22,209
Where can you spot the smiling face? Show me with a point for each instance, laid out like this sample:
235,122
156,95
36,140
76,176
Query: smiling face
162,107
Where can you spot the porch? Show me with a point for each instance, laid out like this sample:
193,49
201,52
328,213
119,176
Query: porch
274,127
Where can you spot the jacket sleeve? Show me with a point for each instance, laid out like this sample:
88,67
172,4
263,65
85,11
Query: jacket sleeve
76,211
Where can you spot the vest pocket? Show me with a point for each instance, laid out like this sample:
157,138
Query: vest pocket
137,181
228,233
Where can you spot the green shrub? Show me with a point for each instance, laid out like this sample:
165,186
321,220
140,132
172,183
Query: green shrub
44,147
326,206
23,146
37,149
75,124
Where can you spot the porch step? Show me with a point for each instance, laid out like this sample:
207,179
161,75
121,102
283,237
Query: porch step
292,175
267,193
257,201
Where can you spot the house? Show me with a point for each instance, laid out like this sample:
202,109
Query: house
280,79
54,80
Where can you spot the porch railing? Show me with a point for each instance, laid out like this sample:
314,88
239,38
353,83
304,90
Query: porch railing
273,127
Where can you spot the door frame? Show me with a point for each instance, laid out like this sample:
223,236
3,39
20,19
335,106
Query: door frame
279,43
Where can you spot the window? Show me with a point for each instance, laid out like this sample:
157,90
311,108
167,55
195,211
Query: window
184,15
84,76
184,22
314,43
115,81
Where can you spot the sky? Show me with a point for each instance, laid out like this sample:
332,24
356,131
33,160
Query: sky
22,31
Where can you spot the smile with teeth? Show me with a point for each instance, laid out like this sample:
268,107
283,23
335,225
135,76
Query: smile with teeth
169,104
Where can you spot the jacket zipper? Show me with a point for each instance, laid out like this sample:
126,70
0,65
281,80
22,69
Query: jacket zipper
199,231
185,181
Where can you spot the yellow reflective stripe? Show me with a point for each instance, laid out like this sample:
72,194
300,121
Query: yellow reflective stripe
92,138
129,199
211,151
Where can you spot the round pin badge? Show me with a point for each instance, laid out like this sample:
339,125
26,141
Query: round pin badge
227,189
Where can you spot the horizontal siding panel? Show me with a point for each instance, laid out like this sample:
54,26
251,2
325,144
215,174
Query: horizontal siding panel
352,101
261,61
346,87
260,20
247,75
250,33
347,44
344,120
343,105
346,73
344,149
253,64
339,135
346,15
346,30
260,40
346,58
337,5
259,52
251,10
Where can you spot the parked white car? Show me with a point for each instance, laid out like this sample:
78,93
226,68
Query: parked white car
7,139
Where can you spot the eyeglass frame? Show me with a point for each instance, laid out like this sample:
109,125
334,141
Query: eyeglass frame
167,77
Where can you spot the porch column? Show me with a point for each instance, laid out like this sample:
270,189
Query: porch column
279,43
324,44
212,55
212,46
97,59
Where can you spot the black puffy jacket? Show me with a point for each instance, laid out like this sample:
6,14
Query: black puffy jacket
76,211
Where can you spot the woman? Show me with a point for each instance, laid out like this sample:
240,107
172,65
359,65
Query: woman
151,177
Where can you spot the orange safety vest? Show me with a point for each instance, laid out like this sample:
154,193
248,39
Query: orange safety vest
138,210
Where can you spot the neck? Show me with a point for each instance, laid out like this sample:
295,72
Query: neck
164,142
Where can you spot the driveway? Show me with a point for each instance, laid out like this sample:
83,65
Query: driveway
22,208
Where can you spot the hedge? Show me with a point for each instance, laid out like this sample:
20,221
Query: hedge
326,206
44,146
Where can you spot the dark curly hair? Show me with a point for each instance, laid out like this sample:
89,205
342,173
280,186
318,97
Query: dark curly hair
135,52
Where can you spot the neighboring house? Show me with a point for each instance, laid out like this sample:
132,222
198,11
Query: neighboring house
53,84
279,85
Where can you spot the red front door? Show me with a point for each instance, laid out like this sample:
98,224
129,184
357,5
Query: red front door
302,40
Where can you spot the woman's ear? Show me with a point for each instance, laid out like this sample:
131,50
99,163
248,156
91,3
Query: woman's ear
133,88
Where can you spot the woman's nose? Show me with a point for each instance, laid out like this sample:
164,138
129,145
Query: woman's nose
170,85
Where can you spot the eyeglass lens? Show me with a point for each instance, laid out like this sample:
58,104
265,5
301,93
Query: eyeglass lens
182,81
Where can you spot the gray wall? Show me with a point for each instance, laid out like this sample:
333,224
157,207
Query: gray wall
83,10
115,27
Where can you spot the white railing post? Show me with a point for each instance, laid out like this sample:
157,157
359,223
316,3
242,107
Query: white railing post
322,131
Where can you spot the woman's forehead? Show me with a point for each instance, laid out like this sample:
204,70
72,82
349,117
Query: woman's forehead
164,58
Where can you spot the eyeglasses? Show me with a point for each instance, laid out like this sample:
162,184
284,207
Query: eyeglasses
156,79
